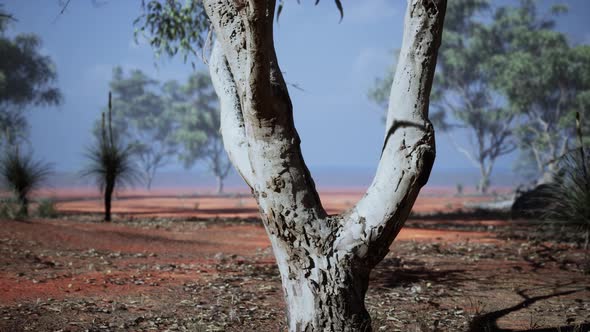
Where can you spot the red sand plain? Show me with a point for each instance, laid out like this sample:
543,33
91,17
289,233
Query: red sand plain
185,203
77,258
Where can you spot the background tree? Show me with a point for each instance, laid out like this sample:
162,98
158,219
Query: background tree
324,260
27,78
199,127
143,120
545,81
110,161
463,95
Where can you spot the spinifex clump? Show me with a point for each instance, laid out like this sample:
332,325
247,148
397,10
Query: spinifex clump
111,162
568,195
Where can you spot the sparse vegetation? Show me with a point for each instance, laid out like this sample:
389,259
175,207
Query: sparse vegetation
21,174
8,208
111,162
567,197
46,209
565,200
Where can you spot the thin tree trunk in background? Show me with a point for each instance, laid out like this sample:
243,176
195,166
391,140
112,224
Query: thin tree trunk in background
24,206
219,184
108,196
324,261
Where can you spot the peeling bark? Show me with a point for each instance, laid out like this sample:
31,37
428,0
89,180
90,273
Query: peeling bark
324,261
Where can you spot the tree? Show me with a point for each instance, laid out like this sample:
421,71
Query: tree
463,88
144,120
545,81
110,161
199,122
27,78
324,261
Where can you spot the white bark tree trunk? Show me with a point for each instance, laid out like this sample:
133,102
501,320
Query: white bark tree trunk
324,261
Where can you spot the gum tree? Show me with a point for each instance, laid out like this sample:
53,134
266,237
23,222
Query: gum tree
143,120
324,261
27,78
545,80
464,90
196,107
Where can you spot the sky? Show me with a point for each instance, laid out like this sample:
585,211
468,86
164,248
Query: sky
334,63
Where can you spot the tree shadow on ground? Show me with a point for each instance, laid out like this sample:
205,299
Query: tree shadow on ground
489,322
389,274
462,214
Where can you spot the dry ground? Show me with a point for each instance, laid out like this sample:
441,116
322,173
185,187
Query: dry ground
180,263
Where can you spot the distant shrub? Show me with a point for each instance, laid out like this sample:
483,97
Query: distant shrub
46,209
9,208
21,174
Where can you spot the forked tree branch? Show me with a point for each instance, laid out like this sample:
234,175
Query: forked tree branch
278,176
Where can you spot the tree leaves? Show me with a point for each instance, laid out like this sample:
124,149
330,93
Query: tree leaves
174,26
27,78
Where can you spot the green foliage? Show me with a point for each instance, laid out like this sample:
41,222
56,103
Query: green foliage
46,209
174,26
508,77
21,174
543,78
10,208
143,120
26,78
111,162
463,87
566,200
197,110
570,191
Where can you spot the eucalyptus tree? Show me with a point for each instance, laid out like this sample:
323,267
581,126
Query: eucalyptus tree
143,120
198,135
463,93
545,80
324,261
27,78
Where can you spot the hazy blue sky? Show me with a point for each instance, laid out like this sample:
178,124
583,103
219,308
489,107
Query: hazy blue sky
334,63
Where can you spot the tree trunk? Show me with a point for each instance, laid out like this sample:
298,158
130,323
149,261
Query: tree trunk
484,181
219,184
108,197
148,184
324,261
24,205
323,292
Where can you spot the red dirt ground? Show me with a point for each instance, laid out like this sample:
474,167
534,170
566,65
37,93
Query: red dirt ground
183,203
147,271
